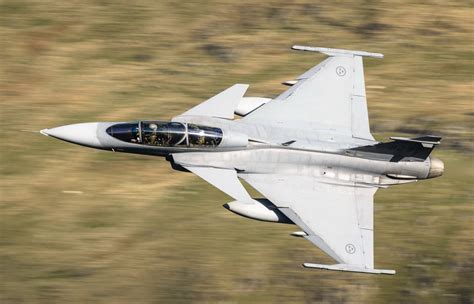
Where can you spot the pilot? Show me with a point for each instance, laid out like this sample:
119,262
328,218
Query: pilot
166,135
167,139
135,136
202,138
153,136
212,141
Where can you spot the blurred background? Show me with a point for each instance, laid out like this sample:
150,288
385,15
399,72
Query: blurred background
79,225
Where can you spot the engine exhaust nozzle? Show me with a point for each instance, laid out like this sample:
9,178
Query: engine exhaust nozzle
436,167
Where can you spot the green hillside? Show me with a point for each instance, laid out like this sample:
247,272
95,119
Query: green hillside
79,225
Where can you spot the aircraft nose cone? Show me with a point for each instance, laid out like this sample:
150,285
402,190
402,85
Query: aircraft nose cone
82,134
436,167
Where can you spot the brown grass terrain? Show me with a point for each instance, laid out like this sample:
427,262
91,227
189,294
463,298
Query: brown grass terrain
136,231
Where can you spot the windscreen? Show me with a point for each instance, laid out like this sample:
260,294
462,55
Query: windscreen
127,132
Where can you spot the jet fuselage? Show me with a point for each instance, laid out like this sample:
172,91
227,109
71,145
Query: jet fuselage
251,148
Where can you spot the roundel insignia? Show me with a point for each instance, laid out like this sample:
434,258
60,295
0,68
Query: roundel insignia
350,249
340,71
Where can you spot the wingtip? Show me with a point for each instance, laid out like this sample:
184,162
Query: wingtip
336,52
243,85
350,268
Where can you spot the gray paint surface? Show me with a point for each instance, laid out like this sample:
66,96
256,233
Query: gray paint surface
309,152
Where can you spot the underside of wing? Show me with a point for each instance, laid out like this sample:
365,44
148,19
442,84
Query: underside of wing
331,97
336,218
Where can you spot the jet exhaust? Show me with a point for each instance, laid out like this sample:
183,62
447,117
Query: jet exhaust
436,167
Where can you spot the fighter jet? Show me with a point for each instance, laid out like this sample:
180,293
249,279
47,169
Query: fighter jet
309,152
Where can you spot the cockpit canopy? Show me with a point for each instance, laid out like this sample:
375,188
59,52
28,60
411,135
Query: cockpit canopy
166,134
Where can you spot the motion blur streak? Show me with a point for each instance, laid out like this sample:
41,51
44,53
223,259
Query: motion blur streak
140,232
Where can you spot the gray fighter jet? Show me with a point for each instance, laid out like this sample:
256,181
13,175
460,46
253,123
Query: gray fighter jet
309,152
